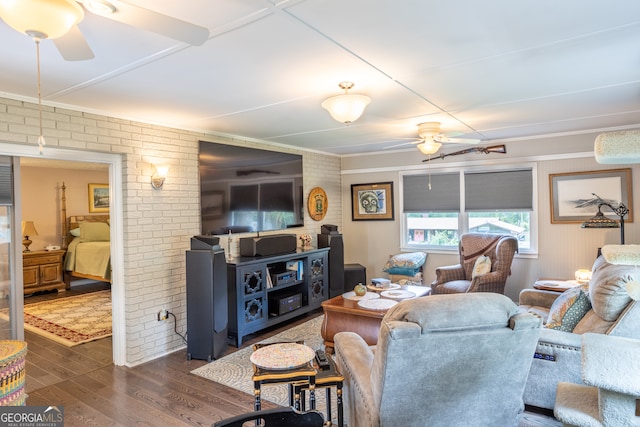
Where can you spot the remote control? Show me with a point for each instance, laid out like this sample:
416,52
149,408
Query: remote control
321,358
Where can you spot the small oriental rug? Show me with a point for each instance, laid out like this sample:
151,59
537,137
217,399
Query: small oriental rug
72,320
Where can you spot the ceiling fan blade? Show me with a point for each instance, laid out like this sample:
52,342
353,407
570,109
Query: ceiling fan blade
403,144
73,46
158,23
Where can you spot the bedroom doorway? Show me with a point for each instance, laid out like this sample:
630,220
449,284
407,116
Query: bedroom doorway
114,165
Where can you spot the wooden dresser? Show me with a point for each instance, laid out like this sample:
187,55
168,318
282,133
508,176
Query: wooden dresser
42,271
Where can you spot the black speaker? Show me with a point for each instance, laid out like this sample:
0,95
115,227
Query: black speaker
354,274
336,262
274,244
207,302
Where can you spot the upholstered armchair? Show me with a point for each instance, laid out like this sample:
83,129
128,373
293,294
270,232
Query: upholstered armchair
440,361
460,278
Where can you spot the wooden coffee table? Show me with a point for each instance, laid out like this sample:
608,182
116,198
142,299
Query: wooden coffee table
345,315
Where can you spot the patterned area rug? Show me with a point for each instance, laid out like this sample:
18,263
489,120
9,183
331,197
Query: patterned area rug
71,321
235,371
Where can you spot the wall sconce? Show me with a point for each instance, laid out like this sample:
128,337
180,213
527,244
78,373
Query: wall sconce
157,179
28,229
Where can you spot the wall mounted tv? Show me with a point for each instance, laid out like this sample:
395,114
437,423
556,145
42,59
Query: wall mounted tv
248,190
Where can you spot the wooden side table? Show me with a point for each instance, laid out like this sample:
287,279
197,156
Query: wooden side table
265,375
556,285
42,271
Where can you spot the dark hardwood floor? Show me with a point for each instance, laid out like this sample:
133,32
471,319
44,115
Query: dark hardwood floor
94,392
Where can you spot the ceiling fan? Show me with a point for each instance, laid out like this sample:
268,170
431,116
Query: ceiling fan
59,19
430,138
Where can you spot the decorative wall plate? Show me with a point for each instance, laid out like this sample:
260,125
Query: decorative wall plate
317,204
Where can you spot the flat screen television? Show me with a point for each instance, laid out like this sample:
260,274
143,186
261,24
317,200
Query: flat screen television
249,190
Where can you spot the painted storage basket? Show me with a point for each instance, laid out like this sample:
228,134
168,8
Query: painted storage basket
12,373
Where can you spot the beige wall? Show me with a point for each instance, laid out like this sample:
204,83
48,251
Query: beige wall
42,195
157,223
563,248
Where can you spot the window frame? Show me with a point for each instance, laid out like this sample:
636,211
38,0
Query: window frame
463,216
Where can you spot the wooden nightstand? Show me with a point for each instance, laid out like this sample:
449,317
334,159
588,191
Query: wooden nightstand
42,271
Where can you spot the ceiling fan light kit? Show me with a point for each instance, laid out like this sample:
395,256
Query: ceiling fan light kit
346,108
429,147
41,19
99,7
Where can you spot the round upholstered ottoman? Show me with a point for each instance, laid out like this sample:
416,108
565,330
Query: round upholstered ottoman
12,373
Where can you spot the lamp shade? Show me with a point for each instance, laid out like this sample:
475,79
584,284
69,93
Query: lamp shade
346,108
429,147
41,18
600,221
28,228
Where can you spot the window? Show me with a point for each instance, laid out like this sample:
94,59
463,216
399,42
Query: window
471,200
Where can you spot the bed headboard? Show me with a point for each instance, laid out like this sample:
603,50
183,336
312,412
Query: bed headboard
74,221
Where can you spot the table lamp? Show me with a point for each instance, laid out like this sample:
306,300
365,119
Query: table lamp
625,255
28,229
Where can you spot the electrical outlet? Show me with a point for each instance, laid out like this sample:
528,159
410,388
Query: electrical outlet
163,315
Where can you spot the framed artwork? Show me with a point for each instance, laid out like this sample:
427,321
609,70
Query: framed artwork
370,202
575,196
98,198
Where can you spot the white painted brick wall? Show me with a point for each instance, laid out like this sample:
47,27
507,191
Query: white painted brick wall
157,223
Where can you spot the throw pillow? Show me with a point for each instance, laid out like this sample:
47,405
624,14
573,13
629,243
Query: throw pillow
75,232
481,267
405,264
569,308
94,232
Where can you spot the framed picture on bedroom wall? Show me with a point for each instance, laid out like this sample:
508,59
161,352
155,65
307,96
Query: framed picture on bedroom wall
98,198
372,201
575,196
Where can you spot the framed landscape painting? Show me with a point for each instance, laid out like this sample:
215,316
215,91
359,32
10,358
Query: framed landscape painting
98,198
575,196
372,201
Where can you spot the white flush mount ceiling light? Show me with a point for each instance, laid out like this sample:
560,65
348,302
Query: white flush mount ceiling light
42,19
346,108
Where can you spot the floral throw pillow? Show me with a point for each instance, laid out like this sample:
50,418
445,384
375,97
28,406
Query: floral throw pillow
569,308
481,267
